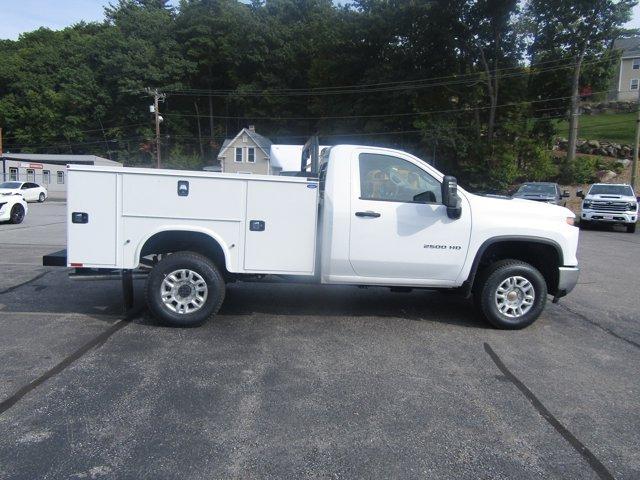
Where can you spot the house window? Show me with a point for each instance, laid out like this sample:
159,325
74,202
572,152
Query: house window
251,155
61,178
636,64
46,177
13,174
31,175
634,84
238,155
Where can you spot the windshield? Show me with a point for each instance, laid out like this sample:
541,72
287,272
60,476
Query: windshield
537,189
623,190
10,185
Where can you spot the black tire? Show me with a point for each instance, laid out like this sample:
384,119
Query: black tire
17,214
631,228
492,278
41,197
196,263
584,224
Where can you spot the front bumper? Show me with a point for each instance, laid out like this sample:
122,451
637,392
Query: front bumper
609,217
567,280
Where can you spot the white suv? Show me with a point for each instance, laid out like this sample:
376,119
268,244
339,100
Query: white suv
609,203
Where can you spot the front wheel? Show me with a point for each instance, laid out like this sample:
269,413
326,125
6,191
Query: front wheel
512,294
17,214
631,228
184,289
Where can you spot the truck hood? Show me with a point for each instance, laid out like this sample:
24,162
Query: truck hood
521,207
536,197
611,198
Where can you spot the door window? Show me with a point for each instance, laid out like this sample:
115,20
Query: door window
393,179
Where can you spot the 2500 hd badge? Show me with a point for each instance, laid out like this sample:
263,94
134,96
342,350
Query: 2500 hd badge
442,247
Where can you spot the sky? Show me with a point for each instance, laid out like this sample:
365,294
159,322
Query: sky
21,16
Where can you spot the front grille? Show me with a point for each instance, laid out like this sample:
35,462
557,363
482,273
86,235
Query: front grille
609,206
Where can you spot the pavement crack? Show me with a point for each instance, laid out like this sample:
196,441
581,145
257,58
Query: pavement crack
595,464
601,327
11,289
95,342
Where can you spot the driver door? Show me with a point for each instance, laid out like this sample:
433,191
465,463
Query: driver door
399,227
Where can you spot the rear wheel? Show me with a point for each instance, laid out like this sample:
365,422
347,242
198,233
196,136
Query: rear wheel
184,289
17,214
631,228
41,197
511,295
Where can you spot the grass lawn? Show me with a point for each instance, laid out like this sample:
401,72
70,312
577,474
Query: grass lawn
614,127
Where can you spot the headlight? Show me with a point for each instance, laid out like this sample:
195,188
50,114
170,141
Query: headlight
2,205
632,206
586,205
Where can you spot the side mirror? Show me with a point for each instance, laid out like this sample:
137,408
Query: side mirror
565,194
580,194
450,198
425,197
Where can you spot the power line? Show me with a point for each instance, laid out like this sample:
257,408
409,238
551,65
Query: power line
355,89
95,130
382,115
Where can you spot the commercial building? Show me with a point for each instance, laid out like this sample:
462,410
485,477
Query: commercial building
50,171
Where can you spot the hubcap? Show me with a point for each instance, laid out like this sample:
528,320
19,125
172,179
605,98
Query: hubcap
184,291
515,296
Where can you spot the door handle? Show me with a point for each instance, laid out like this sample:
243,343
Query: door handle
368,213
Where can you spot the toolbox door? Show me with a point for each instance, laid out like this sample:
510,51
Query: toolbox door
91,218
280,228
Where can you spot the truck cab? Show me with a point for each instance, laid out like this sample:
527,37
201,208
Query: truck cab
351,214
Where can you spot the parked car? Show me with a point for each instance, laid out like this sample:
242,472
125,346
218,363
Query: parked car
542,192
609,203
32,192
359,216
13,207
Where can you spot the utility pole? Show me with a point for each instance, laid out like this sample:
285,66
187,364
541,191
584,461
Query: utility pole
634,161
0,141
155,109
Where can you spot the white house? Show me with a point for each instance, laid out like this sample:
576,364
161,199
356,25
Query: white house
627,79
247,152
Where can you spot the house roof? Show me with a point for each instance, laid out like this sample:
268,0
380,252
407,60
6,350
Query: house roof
262,142
630,46
288,157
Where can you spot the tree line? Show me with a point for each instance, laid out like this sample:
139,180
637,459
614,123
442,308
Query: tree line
473,86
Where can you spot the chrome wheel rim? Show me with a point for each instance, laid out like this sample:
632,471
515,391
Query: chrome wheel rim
184,291
515,296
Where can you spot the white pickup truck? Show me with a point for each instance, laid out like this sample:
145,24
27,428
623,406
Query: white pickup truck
359,216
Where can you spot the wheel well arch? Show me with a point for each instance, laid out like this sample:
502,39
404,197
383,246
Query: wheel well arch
175,240
543,253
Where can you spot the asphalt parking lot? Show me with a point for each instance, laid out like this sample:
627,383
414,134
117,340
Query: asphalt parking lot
297,381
